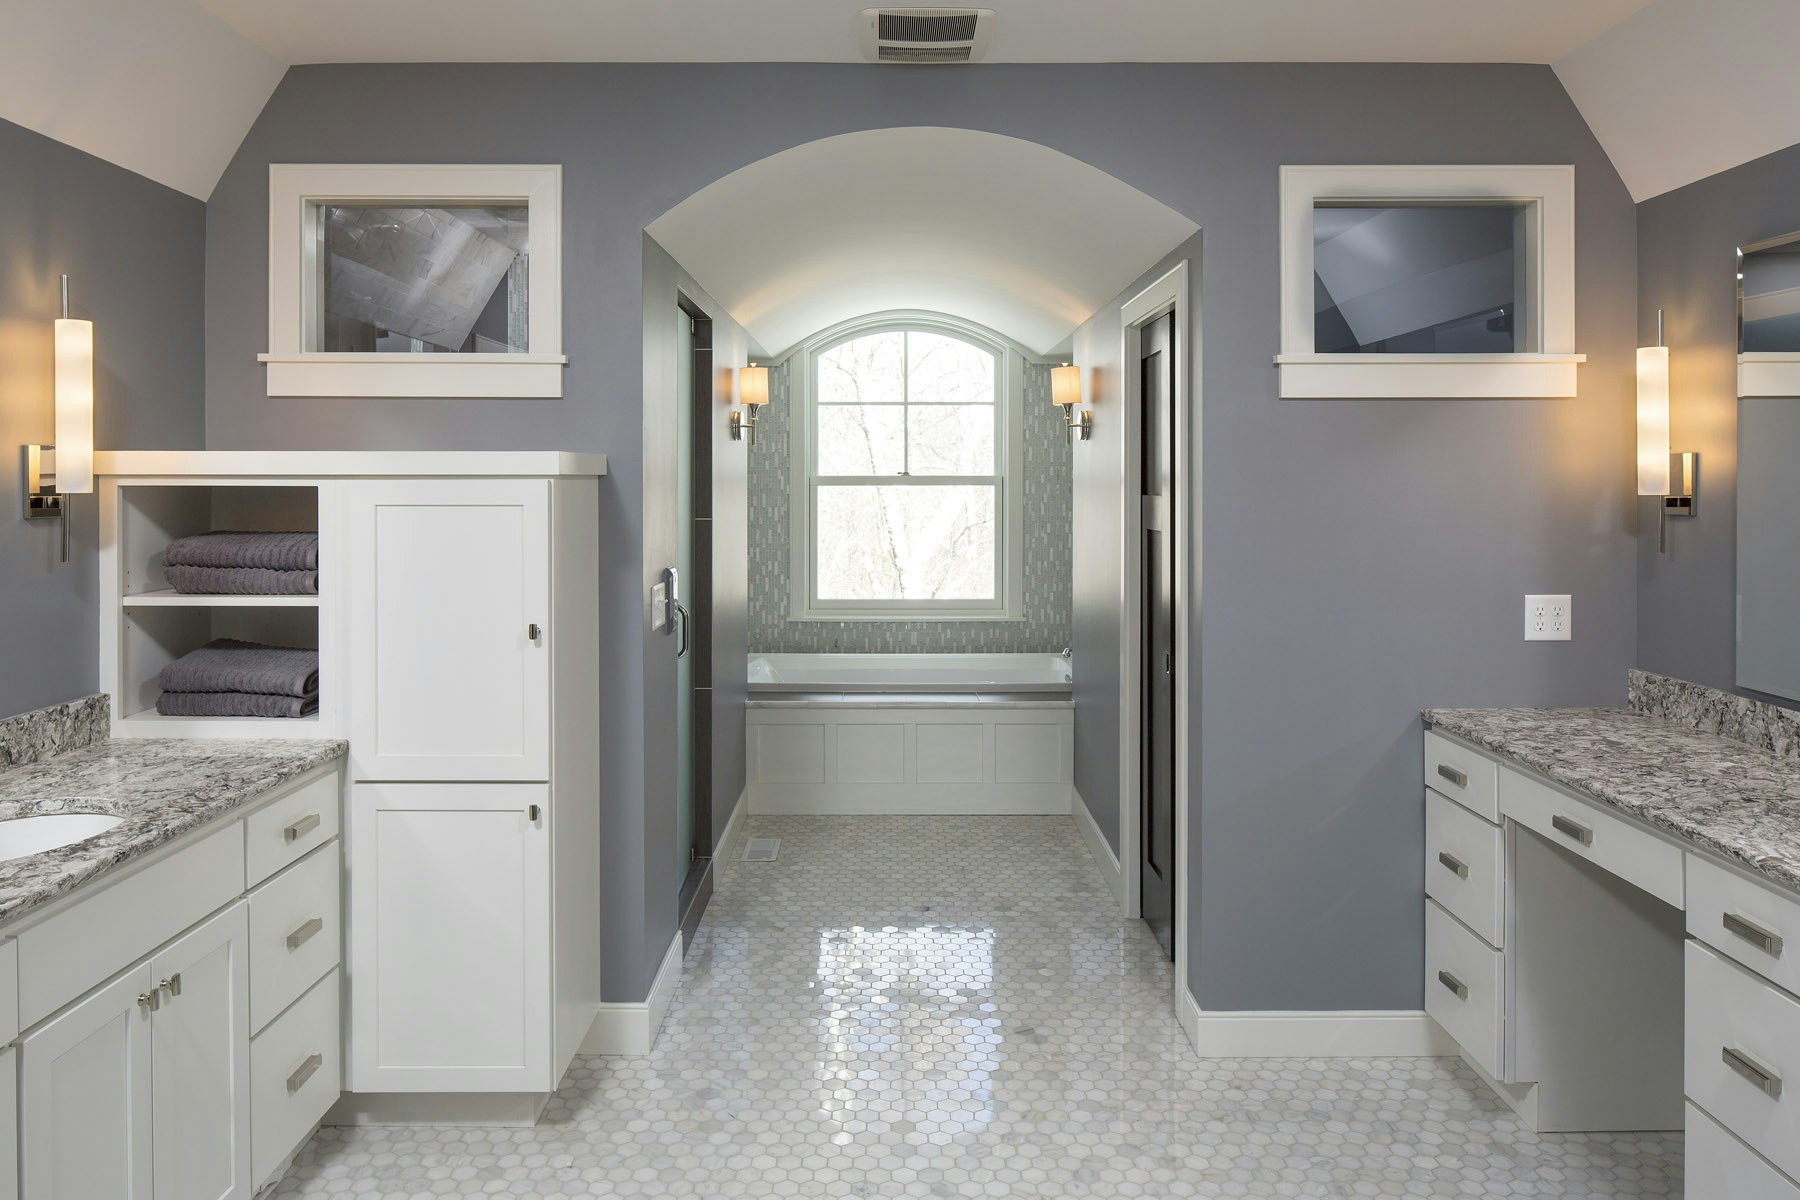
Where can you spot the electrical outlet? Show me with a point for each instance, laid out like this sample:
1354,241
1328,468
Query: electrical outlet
1547,618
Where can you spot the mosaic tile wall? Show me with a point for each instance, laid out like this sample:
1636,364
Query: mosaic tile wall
1048,573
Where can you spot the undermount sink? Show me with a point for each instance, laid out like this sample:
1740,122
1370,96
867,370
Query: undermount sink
22,836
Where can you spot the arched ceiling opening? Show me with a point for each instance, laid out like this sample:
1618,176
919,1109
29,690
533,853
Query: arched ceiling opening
1008,233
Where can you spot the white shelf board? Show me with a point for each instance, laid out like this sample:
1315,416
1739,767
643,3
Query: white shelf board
150,723
169,598
336,464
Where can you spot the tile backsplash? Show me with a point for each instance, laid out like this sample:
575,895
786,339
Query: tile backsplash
1048,524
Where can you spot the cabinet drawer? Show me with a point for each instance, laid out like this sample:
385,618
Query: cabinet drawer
1462,774
294,931
1464,866
1609,841
1463,979
1744,920
294,1077
72,951
1720,1165
1743,1055
289,828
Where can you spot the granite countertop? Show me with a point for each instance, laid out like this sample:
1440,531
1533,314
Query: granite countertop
1719,793
162,789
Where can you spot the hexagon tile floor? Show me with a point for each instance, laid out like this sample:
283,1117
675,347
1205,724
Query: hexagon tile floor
937,1006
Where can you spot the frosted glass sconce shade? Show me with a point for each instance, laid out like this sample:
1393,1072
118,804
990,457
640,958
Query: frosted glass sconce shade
1653,420
74,401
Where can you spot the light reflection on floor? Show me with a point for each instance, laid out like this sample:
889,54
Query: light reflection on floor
949,1007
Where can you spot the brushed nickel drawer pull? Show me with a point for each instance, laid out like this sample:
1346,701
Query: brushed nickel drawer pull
1766,1081
303,932
1455,864
171,985
1766,940
1456,985
151,1000
1573,829
1459,778
304,1072
301,828
534,813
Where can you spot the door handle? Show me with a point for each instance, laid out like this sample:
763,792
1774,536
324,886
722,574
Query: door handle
151,1000
300,828
303,932
304,1072
533,632
1453,775
1455,985
681,646
1572,829
171,985
1454,863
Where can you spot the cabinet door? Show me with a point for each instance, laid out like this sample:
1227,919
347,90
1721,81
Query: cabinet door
449,579
85,1096
450,937
200,1058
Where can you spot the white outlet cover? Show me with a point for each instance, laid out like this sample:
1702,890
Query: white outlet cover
1548,618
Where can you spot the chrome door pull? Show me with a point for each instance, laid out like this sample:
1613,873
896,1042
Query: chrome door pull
533,632
1454,863
1766,1081
681,647
303,932
533,813
1573,829
304,1072
300,828
1453,775
171,985
1766,940
151,1000
1456,985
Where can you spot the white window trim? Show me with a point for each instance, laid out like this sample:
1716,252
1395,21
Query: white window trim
295,191
1546,370
1009,398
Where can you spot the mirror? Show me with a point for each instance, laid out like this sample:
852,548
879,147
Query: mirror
1768,505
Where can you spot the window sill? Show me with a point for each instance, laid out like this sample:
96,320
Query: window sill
429,376
903,618
1427,376
1769,374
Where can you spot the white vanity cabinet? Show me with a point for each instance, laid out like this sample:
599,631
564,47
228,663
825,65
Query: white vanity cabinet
143,1087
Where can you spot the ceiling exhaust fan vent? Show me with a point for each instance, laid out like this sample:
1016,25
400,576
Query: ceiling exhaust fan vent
926,35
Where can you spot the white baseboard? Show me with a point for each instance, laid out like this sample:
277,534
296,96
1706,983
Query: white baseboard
473,1109
1351,1034
1104,857
630,1028
909,799
734,825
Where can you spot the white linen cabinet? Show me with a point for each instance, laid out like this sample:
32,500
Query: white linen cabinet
474,832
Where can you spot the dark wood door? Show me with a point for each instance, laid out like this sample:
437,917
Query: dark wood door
1156,786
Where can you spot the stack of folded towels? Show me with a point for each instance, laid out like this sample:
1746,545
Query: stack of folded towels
229,678
234,563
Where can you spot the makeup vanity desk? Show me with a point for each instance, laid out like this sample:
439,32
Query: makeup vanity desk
1613,920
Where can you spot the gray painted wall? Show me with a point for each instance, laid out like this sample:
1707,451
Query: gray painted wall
132,250
1046,584
1686,242
1362,559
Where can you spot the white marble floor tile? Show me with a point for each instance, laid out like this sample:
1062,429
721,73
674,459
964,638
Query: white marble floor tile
947,1007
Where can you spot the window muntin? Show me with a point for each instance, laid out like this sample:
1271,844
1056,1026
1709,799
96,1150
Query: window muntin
905,474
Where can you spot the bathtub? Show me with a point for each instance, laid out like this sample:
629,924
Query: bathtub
910,733
904,673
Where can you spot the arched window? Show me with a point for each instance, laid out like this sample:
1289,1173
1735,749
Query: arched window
906,487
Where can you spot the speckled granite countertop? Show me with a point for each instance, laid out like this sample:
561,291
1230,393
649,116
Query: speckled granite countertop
1719,793
162,789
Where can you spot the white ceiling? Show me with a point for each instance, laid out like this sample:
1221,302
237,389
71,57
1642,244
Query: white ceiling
825,30
950,220
1674,89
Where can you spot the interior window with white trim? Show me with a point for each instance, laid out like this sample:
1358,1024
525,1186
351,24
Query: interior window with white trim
905,472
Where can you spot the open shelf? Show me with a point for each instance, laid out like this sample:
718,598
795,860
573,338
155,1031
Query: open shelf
168,598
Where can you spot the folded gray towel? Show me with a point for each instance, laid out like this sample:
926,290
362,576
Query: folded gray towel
241,581
228,665
236,548
235,704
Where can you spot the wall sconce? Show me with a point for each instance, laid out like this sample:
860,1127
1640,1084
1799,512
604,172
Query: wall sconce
753,393
1661,473
1065,393
54,473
